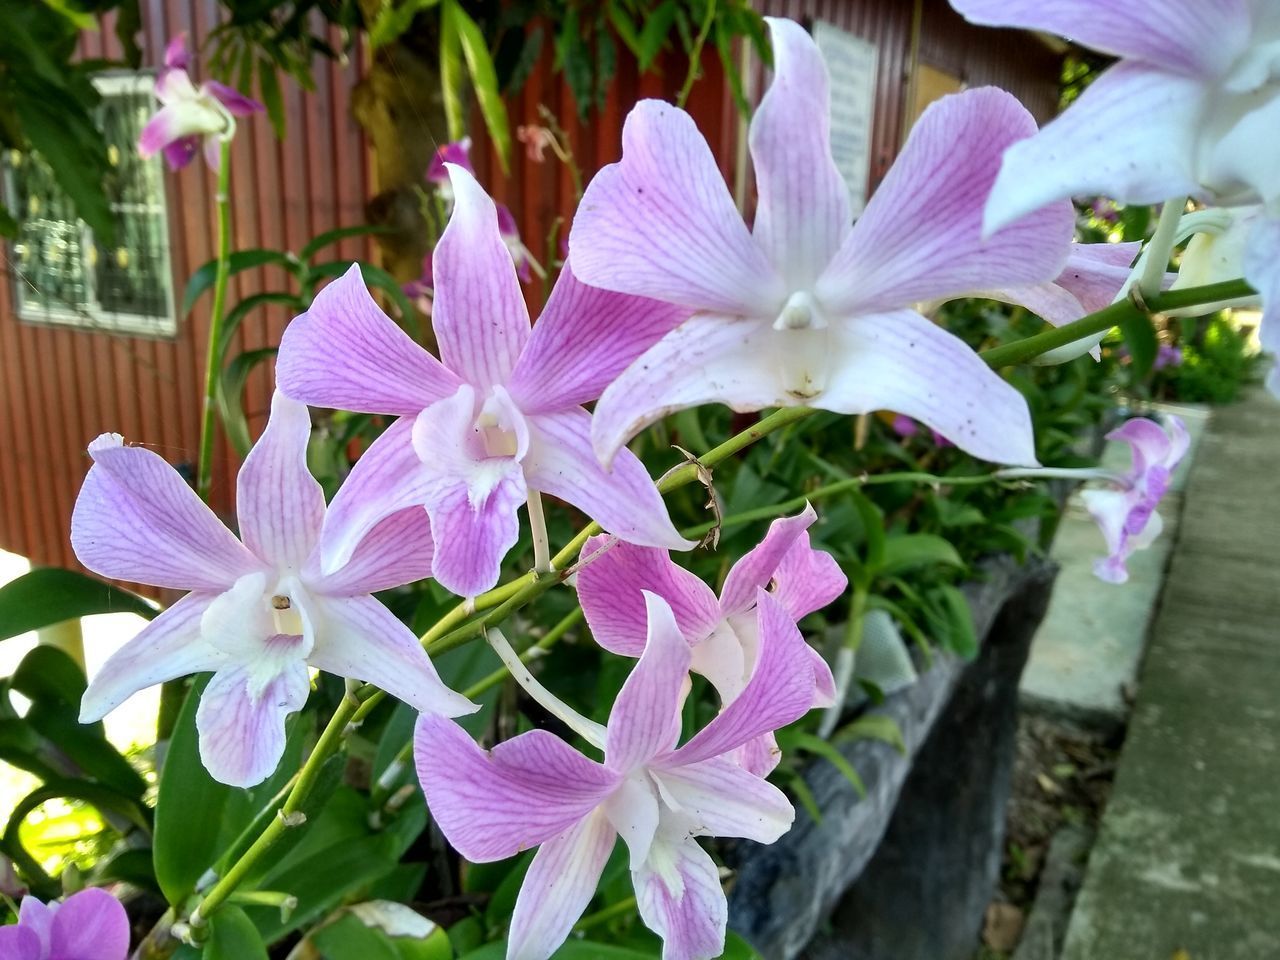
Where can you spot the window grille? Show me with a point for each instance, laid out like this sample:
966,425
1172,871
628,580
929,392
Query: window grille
62,273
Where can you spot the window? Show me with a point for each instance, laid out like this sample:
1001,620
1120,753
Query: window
63,274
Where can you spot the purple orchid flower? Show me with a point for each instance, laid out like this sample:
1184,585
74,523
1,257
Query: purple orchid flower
535,790
89,925
1167,355
722,632
804,309
1126,515
500,418
1176,117
457,152
421,289
907,428
260,610
189,114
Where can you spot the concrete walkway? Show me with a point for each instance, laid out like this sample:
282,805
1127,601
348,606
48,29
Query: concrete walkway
1187,866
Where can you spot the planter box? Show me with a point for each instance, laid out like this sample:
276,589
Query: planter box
906,873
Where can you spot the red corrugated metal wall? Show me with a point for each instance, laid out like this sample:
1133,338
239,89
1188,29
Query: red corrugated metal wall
60,387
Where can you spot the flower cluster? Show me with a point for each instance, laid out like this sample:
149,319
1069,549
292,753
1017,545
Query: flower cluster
89,925
668,301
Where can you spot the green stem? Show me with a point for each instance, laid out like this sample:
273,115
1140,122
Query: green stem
1160,247
209,423
622,908
695,56
1022,350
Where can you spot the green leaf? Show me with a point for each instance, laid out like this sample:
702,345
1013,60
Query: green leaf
235,316
573,950
452,71
349,939
189,809
392,21
51,595
1140,338
204,278
269,87
483,78
231,396
232,936
657,25
822,748
625,28
872,528
8,225
875,726
736,948
964,639
341,233
911,550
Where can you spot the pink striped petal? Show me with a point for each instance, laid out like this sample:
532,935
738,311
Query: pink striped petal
89,925
761,755
825,693
136,519
237,104
624,500
585,337
176,54
645,719
279,505
920,237
780,690
560,883
760,564
38,918
19,943
471,498
1168,33
345,353
681,900
478,313
724,800
635,812
358,637
611,590
168,647
396,551
807,579
387,479
1131,136
900,361
803,212
241,726
707,359
492,805
661,223
180,119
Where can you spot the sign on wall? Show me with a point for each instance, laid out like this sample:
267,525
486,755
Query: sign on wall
851,62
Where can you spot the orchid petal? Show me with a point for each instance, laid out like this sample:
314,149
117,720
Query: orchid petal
725,657
1096,272
472,499
707,359
359,638
624,500
585,337
920,237
396,551
1262,270
780,690
174,85
89,925
1106,143
478,313
803,212
1147,440
1244,159
386,479
1166,32
179,153
825,693
1110,509
761,755
38,918
345,353
724,800
493,805
181,118
900,361
168,647
136,519
661,223
807,579
237,104
680,899
634,812
176,55
560,883
279,504
241,730
19,943
645,719
760,564
611,590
